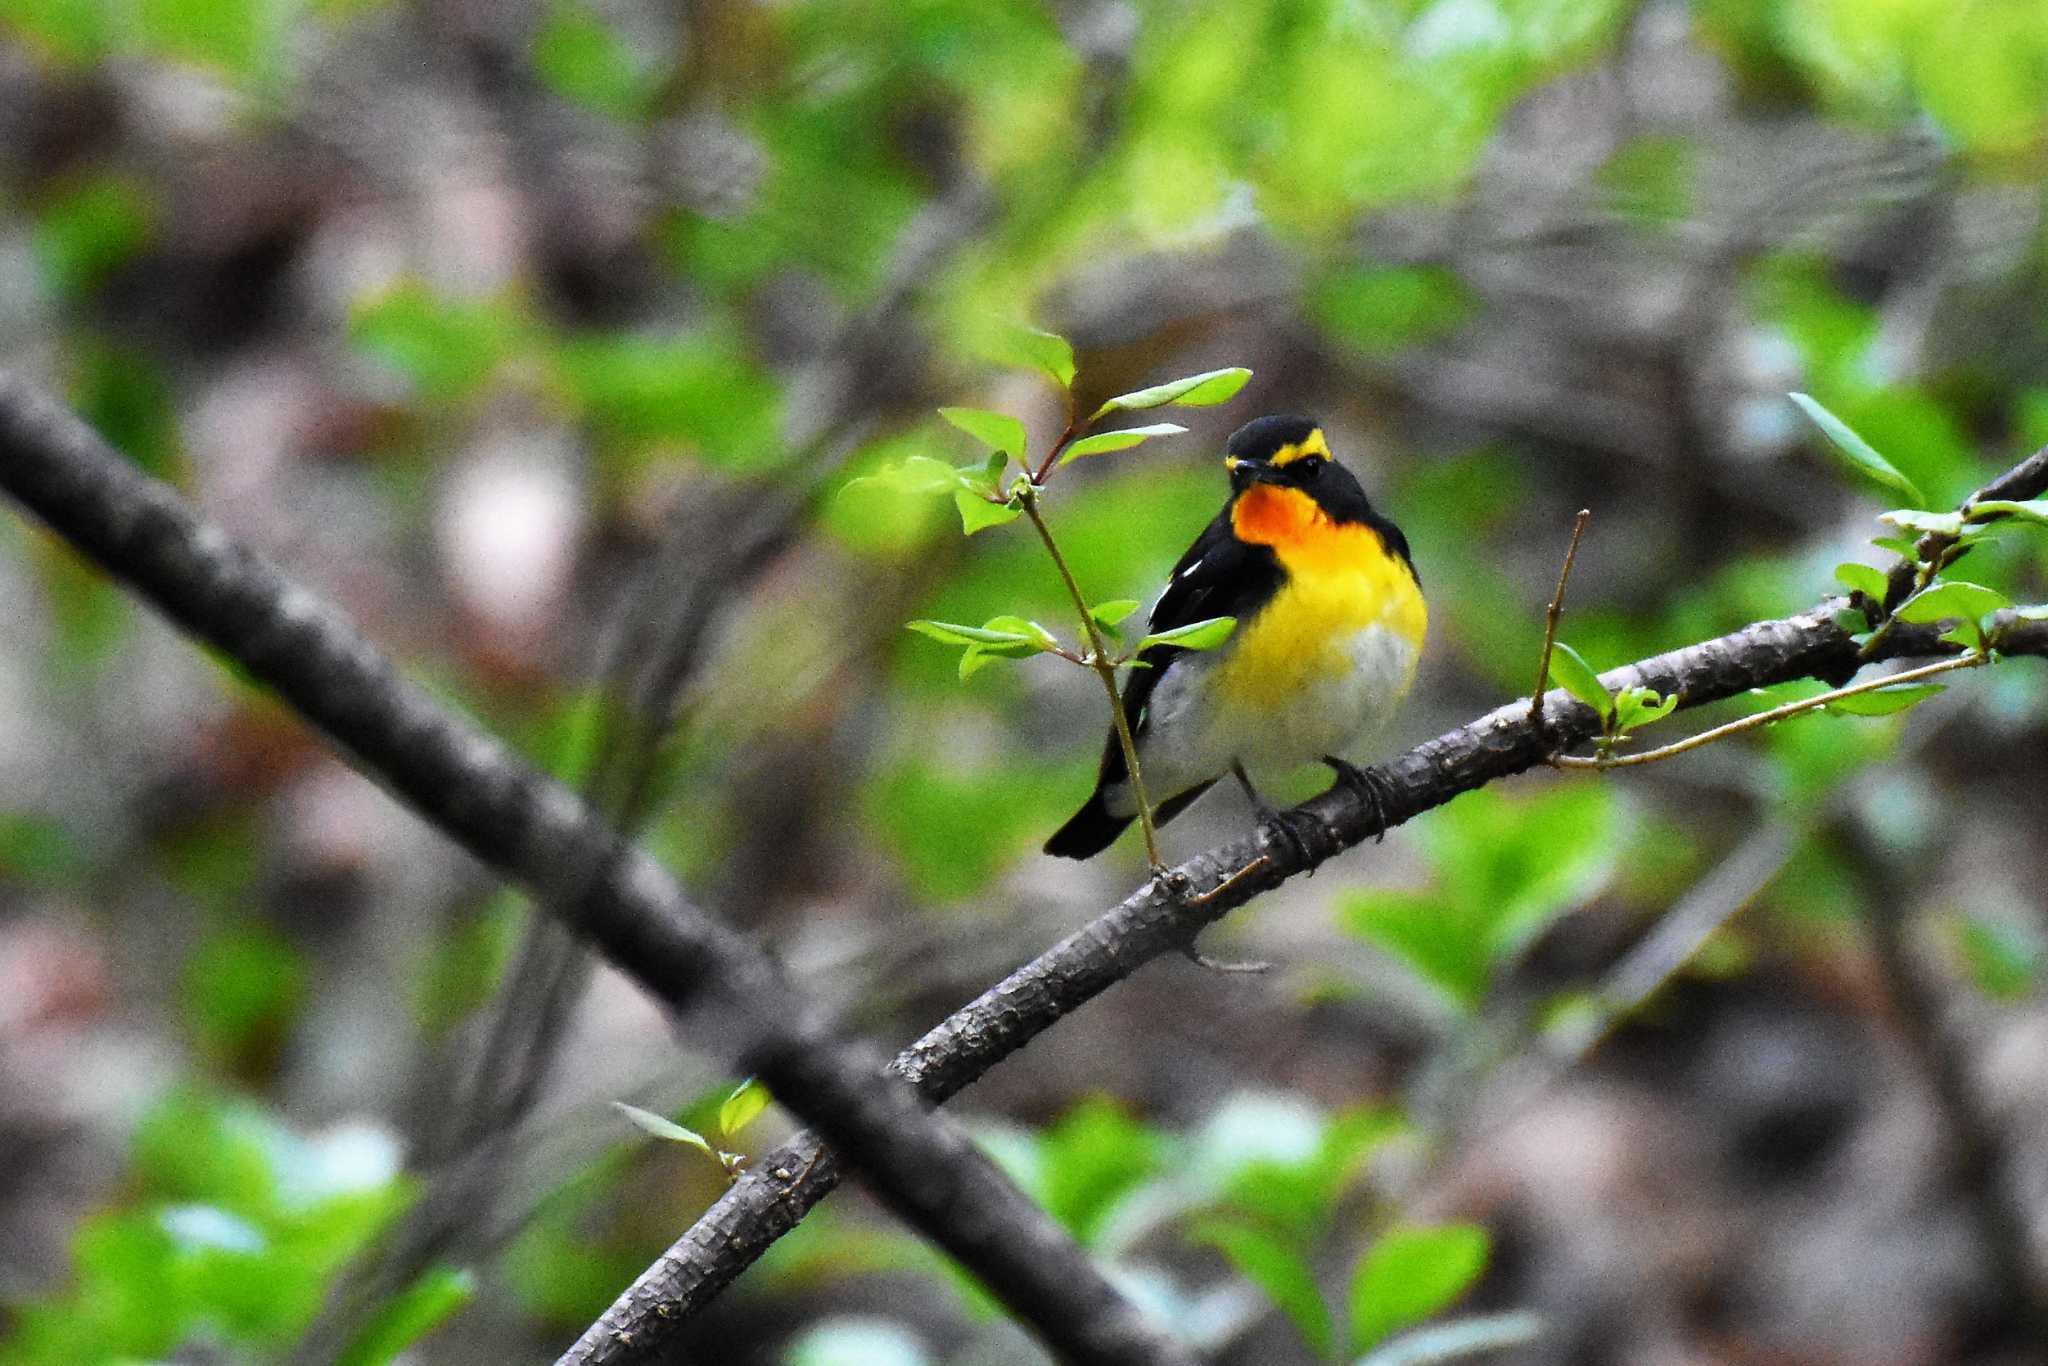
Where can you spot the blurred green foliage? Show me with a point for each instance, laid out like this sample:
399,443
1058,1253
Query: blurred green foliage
1504,866
232,1228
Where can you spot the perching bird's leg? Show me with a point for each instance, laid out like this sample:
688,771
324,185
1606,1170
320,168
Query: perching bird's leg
1292,827
1370,787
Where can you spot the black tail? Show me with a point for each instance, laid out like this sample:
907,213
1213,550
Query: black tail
1093,829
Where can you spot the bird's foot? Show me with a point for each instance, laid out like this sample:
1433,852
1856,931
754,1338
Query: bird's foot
1371,789
1295,829
1298,830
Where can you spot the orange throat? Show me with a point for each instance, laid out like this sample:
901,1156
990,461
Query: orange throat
1286,519
1340,575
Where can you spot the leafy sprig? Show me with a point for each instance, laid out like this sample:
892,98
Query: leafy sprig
989,494
1913,592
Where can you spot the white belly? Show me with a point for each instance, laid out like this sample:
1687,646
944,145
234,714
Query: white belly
1193,736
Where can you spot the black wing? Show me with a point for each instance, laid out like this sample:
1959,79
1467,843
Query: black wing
1220,576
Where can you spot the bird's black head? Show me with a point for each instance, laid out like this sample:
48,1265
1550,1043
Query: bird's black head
1292,452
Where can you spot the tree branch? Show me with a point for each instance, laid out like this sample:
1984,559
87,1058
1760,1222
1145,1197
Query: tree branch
782,1186
535,830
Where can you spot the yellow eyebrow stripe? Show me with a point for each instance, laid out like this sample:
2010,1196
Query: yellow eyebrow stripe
1312,444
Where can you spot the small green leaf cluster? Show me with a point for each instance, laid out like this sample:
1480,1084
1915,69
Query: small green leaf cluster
1934,541
2004,957
1013,637
741,1107
1621,713
989,495
1931,541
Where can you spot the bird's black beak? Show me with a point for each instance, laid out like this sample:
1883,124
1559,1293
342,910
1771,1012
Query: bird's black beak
1246,471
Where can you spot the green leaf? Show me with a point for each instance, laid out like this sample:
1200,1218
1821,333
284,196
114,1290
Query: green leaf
642,394
2003,957
1426,935
1922,522
742,1107
953,633
90,229
991,472
1108,615
40,850
1120,440
1638,706
1862,578
975,658
1570,671
1458,1339
1029,630
1196,635
2034,510
997,431
413,1314
914,474
1278,1270
1860,452
1044,351
445,347
1005,637
1902,546
665,1128
1884,701
1410,1274
1205,390
1090,1162
979,514
1952,598
241,991
585,61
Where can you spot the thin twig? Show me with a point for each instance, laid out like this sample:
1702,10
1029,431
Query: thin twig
1971,660
1104,668
1052,452
1550,619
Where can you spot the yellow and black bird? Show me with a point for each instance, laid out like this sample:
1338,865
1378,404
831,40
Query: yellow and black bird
1330,623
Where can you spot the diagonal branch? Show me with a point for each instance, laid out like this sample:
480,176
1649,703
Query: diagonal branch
531,828
784,1185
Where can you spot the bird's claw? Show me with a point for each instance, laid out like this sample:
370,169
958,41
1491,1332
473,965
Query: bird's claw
1371,789
1297,830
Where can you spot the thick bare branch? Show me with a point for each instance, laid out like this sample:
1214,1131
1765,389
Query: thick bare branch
531,828
783,1186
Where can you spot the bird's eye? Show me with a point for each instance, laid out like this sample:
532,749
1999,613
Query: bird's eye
1308,465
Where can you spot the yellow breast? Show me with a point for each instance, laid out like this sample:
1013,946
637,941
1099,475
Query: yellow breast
1341,580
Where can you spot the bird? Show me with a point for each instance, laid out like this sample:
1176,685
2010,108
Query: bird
1330,627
